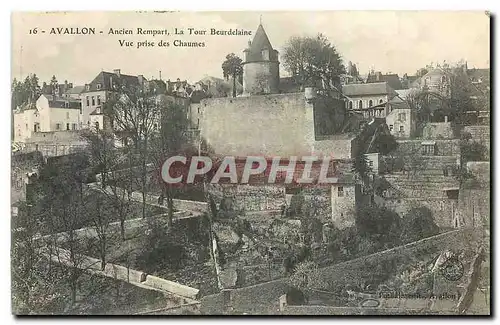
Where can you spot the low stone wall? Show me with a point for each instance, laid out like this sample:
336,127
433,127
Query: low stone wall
93,265
345,311
191,308
260,299
350,272
174,287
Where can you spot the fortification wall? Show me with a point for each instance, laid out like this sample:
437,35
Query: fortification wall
271,125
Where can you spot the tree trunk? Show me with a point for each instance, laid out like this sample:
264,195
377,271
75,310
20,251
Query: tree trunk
234,86
122,227
170,205
103,253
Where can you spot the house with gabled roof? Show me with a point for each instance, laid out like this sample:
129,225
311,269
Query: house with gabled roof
369,98
98,90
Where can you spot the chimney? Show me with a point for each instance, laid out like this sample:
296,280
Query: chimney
117,72
141,79
379,76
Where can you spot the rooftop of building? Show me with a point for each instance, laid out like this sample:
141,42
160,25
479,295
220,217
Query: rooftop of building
75,90
392,79
259,43
63,102
377,88
110,81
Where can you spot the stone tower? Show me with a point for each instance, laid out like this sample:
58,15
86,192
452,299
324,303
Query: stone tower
261,73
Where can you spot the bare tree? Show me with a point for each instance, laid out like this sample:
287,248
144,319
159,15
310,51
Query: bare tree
111,162
170,139
134,112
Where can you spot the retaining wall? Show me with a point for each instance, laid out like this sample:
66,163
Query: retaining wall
174,287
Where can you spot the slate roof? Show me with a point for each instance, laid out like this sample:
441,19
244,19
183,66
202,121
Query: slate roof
75,90
61,102
109,81
379,88
392,79
259,43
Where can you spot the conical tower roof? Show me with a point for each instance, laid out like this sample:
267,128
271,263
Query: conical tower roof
260,40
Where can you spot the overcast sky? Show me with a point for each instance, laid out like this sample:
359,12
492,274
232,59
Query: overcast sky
393,41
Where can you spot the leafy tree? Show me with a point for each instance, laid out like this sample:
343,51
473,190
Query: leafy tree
54,84
312,59
306,276
25,92
461,91
421,72
472,151
232,67
360,166
417,224
378,223
420,102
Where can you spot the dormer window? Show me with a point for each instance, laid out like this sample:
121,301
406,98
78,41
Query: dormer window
99,86
87,87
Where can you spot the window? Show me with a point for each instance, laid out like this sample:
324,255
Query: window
88,102
97,125
67,126
198,123
360,104
67,115
98,100
93,101
443,79
402,117
81,112
350,104
391,127
58,126
88,123
87,87
198,109
155,127
401,128
428,149
27,127
340,191
74,126
99,86
380,101
370,103
370,163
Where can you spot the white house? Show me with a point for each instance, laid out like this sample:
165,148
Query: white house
51,114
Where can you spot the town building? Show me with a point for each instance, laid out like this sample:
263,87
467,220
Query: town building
437,81
369,98
97,92
401,119
51,114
